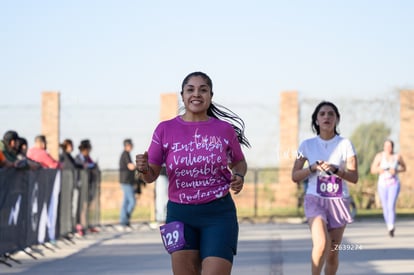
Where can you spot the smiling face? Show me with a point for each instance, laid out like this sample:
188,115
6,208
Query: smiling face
196,96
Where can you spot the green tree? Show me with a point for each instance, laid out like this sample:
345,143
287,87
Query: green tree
368,140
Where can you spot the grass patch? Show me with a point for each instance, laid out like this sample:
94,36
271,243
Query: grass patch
139,214
293,212
377,213
281,212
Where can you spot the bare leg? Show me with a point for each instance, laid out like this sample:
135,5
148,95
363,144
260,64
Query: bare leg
332,260
186,262
216,265
320,243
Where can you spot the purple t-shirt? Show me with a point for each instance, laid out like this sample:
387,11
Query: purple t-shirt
196,155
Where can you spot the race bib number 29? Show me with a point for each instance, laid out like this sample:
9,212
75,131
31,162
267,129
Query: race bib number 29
329,186
172,235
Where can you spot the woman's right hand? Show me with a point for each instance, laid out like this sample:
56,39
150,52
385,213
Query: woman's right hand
141,162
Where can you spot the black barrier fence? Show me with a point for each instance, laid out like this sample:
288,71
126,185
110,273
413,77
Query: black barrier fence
44,205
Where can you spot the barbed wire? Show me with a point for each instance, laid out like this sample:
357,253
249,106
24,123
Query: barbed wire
107,125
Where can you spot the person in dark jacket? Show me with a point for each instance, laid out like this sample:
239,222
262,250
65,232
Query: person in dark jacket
66,158
8,145
126,178
14,149
89,179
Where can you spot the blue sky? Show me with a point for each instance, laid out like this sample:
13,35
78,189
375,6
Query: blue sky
117,53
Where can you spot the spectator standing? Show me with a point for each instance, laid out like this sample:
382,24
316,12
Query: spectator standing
22,147
8,145
39,153
65,158
84,158
70,166
3,161
88,186
127,180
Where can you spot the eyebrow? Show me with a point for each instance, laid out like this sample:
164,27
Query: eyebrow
203,85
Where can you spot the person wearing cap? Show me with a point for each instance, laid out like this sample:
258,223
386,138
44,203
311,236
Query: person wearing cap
87,198
83,157
8,145
9,149
39,154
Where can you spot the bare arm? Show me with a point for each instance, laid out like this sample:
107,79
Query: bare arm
149,172
299,173
350,173
239,170
239,167
402,167
375,165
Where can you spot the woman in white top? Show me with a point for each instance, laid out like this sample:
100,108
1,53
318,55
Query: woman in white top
333,162
387,165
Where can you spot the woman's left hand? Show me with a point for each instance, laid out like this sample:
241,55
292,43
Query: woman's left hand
236,183
326,167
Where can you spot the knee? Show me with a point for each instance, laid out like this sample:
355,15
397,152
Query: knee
320,247
186,262
332,257
333,254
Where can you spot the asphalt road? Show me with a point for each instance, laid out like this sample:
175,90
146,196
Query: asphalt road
272,248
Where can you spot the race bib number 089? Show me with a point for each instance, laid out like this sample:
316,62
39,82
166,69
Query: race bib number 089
329,186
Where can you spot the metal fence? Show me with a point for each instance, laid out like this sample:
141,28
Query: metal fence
257,200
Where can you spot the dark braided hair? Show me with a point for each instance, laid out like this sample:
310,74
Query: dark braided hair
220,112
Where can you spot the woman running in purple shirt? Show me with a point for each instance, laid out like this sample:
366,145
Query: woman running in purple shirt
202,152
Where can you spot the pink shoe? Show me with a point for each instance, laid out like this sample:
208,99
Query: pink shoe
80,230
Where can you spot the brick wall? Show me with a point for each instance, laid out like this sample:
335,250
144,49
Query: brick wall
168,106
407,147
288,144
51,121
